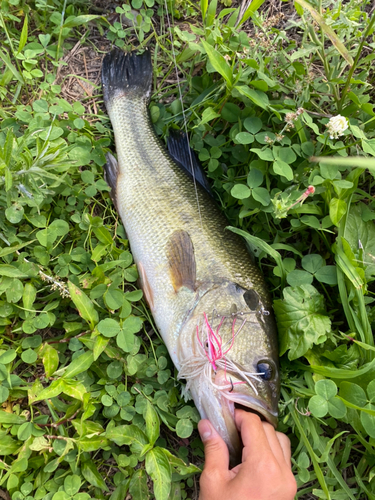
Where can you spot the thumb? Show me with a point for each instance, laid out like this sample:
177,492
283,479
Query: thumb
215,450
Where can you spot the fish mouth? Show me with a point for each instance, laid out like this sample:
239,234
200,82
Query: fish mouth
238,406
248,400
251,404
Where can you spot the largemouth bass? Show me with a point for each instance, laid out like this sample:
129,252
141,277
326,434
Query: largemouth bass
208,299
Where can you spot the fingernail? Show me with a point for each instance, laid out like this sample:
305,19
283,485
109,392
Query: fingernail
205,429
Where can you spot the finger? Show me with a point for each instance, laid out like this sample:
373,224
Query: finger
274,442
215,450
252,433
285,446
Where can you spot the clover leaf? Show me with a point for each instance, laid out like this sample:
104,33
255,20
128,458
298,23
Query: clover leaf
326,400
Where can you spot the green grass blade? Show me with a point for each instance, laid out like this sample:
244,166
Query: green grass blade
365,346
8,250
24,33
355,407
80,20
338,373
265,247
204,5
211,12
340,47
250,11
347,161
363,316
370,495
6,60
306,442
331,465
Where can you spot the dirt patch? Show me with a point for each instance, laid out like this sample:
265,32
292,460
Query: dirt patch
79,76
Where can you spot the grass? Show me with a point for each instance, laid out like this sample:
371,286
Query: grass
91,405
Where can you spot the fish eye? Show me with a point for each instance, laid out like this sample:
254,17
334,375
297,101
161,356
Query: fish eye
266,370
251,298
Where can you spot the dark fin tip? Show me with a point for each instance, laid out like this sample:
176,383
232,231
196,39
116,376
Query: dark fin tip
126,73
111,172
184,156
181,259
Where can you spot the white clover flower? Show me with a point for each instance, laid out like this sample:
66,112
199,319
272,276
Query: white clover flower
279,137
337,126
290,118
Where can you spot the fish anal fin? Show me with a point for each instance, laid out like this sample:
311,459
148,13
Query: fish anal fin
111,173
181,260
145,285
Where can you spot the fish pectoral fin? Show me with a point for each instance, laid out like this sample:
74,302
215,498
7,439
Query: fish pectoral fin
111,173
145,285
181,260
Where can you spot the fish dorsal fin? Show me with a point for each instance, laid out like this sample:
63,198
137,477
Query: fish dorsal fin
111,173
181,259
185,158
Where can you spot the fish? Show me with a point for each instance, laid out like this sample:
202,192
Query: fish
208,299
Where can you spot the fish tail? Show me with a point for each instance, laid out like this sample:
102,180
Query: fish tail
126,75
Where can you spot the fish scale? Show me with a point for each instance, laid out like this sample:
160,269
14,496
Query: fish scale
159,177
159,198
177,235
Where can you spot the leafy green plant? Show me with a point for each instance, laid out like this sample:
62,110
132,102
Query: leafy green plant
132,20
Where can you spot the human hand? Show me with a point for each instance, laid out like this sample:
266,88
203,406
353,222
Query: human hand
265,472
